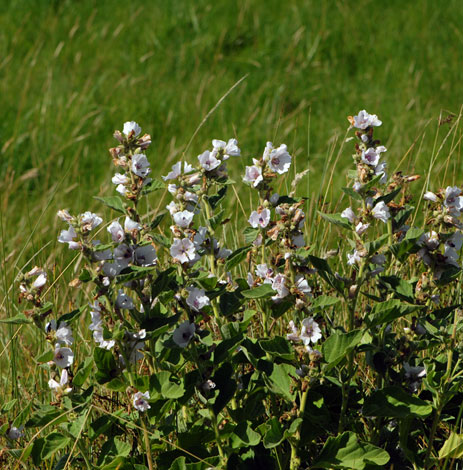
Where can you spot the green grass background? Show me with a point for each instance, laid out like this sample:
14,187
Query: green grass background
73,71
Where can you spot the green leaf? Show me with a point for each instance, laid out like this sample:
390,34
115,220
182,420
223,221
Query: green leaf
113,202
385,312
279,380
178,464
166,385
53,442
336,219
236,257
324,301
107,367
250,234
353,194
45,357
338,345
278,347
260,292
154,185
68,317
325,272
44,415
83,372
226,386
9,405
216,219
19,319
244,436
274,433
157,220
345,451
373,246
453,447
387,198
214,200
394,402
402,288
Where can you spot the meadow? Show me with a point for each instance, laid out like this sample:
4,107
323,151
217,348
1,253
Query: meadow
189,72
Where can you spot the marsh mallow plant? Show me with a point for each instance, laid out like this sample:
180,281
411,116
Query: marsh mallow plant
201,349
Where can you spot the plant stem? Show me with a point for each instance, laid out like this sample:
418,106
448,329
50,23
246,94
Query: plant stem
295,461
149,457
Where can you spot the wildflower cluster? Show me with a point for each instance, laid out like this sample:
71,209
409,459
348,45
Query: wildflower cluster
201,351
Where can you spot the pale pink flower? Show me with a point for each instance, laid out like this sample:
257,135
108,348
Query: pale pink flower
259,219
63,357
140,165
183,334
208,161
116,231
131,126
197,299
183,219
183,250
61,388
364,120
140,401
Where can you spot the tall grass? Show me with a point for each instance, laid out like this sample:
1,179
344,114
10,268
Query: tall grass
71,72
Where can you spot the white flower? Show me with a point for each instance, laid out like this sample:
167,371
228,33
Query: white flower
140,401
208,385
278,284
453,201
349,215
302,284
294,335
145,255
298,241
430,239
208,161
116,231
123,255
121,189
228,149
172,207
183,334
89,221
120,178
40,281
264,272
197,299
279,160
97,327
361,228
68,236
183,219
62,387
64,215
124,301
430,196
131,126
261,219
15,433
357,187
413,375
353,258
381,170
452,247
372,155
310,331
130,224
183,250
63,357
177,171
364,120
253,175
381,212
140,165
62,334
